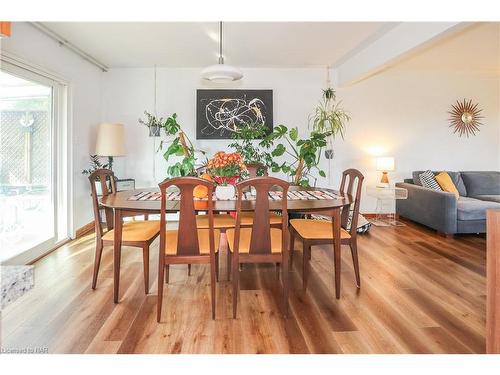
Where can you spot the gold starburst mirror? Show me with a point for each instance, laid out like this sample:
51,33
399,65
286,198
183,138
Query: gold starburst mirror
465,118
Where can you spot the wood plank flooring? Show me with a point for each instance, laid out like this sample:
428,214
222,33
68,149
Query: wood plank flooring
420,293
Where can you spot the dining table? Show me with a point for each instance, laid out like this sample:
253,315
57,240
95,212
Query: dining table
124,203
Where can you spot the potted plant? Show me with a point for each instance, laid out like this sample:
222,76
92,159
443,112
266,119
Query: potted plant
225,169
246,146
179,145
153,123
305,153
330,119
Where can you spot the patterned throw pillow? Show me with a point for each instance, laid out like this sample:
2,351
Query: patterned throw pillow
429,181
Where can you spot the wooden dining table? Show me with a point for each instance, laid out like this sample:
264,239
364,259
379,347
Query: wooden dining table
122,206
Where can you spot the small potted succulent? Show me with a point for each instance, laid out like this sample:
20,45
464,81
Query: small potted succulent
226,170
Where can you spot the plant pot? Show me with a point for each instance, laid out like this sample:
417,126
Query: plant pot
329,154
154,131
225,192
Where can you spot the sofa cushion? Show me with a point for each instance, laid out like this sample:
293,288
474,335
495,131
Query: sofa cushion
491,198
455,177
481,183
473,209
444,180
428,180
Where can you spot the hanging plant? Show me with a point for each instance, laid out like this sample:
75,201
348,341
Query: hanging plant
329,117
177,144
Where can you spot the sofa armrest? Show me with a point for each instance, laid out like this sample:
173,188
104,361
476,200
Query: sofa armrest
435,209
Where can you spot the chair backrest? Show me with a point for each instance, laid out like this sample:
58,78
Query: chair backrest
350,178
187,239
254,168
260,242
103,176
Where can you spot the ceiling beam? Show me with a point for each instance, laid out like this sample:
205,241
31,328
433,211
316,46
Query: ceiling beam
397,43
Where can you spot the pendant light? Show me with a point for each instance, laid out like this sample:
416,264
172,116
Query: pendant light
221,72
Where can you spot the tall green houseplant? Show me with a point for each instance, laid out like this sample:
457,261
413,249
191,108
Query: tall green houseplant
178,144
305,154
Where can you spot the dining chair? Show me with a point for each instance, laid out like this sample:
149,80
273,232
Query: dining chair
247,217
320,232
260,243
188,244
135,233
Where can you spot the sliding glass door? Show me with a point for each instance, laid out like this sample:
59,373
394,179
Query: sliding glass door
28,165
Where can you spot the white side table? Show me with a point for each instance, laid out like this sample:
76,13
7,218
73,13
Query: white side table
386,197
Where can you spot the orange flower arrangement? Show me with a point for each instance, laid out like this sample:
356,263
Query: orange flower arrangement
226,168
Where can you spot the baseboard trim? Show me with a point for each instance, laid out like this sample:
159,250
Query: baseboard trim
86,229
371,215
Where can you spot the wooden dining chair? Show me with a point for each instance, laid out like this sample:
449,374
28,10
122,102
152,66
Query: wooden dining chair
320,232
247,216
188,244
260,243
135,233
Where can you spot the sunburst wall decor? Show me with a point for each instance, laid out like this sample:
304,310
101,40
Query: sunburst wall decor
465,118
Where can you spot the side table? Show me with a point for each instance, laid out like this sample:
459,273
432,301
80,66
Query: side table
386,197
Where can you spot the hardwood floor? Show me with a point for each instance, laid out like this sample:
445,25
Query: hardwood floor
420,293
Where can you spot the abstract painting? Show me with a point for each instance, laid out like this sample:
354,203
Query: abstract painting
219,113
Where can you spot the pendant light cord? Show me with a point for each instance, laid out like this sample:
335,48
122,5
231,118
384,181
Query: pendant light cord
221,58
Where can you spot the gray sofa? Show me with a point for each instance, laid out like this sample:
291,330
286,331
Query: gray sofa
441,211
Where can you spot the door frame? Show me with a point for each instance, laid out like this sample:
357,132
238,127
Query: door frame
61,166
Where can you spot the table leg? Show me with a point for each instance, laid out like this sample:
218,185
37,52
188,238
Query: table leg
336,249
117,251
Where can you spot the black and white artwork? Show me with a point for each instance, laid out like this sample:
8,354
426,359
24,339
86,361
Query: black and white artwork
219,113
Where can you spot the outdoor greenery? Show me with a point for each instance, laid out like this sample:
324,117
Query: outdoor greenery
305,153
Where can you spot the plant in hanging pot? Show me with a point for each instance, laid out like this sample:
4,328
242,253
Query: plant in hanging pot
329,118
179,145
226,170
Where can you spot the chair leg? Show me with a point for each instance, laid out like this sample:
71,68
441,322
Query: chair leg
189,270
97,263
292,245
354,252
285,277
217,266
277,271
161,275
167,273
229,265
213,272
236,276
336,265
145,261
306,255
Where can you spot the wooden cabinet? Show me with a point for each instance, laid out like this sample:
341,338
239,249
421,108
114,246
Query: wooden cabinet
493,282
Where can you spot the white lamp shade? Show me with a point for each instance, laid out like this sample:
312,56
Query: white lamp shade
385,164
110,140
221,73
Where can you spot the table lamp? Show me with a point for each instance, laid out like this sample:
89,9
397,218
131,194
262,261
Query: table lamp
384,165
110,141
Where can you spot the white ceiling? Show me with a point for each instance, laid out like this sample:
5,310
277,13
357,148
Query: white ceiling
246,44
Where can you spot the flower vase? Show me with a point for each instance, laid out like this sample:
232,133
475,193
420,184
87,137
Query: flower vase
225,192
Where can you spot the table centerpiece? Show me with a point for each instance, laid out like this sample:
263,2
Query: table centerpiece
226,169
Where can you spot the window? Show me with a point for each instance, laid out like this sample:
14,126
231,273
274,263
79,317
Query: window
33,195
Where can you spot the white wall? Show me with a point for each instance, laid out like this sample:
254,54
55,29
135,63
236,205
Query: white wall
401,112
84,80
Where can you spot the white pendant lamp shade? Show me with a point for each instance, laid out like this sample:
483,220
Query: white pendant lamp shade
110,140
221,72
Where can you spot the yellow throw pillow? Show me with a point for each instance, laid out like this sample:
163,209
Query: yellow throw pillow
444,180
